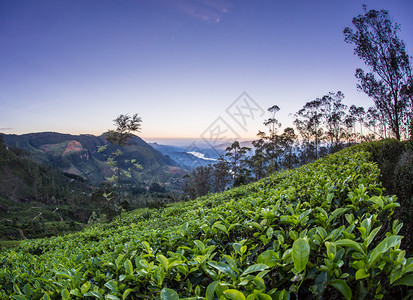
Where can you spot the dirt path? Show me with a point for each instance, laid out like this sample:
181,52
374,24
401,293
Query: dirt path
21,234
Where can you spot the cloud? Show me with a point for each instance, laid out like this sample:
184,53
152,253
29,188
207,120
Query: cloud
6,129
209,11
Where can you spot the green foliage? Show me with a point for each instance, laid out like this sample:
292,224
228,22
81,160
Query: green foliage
395,159
118,138
324,230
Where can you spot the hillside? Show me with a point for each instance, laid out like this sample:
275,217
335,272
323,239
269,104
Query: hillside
78,155
325,230
37,200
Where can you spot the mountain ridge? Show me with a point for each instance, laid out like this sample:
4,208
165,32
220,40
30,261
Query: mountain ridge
79,155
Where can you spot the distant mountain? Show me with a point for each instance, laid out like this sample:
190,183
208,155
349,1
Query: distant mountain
78,155
223,146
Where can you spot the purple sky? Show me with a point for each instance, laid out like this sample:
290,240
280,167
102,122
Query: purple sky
73,66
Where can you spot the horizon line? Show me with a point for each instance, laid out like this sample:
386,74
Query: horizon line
138,135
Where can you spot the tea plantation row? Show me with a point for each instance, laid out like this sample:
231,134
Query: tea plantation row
324,230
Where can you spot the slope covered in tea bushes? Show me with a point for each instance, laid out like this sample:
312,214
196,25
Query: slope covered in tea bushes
323,230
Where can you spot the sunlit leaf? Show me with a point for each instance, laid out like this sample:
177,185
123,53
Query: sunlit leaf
384,246
300,254
234,294
254,268
169,294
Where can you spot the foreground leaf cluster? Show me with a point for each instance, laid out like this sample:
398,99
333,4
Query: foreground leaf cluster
322,230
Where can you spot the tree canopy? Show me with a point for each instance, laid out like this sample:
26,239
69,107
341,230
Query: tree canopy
389,79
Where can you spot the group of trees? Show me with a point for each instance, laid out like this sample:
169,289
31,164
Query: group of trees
322,126
326,124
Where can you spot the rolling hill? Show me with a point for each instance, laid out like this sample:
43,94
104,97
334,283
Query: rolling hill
78,155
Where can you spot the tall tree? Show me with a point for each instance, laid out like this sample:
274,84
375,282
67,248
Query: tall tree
308,121
198,183
375,123
189,186
202,180
272,123
126,126
272,146
334,112
221,174
358,113
288,138
257,162
350,123
372,122
389,80
236,155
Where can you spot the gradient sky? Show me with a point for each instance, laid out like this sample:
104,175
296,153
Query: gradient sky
73,66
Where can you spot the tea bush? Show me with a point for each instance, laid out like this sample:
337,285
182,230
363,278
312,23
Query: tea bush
324,230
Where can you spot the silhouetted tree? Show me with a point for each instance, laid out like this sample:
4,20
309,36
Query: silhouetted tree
350,122
389,80
358,114
308,121
221,174
202,176
189,186
287,140
257,162
272,149
334,112
126,126
372,122
272,123
236,156
198,183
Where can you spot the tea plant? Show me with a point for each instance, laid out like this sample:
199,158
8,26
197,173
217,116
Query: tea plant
324,230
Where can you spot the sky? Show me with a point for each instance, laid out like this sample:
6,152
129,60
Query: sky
195,69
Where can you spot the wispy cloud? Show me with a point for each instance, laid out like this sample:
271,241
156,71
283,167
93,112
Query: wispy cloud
210,11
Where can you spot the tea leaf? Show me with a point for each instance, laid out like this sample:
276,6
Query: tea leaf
343,288
300,254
